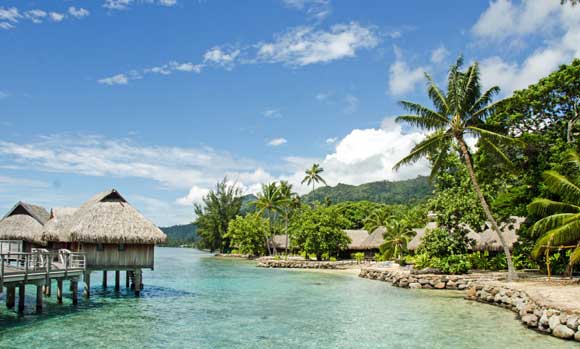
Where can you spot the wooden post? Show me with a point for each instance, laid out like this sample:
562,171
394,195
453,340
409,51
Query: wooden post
127,278
39,293
87,279
75,291
10,296
48,288
137,281
21,297
117,280
59,291
104,279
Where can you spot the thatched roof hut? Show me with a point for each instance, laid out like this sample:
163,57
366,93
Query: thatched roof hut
57,227
24,222
108,218
487,240
357,237
375,240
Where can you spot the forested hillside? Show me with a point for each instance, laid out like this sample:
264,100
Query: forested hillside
180,234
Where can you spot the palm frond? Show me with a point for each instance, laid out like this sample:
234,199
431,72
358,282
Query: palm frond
575,256
422,149
421,110
566,234
544,207
559,184
482,107
436,95
573,158
492,135
551,222
471,89
423,122
498,152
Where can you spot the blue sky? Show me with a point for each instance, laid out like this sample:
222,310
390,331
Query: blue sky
162,98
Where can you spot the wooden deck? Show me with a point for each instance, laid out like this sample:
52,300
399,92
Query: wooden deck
37,266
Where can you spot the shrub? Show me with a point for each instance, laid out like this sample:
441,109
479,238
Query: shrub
454,264
440,242
359,256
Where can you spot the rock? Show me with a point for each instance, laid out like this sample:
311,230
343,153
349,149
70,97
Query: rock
544,320
572,322
423,281
403,283
563,318
526,309
471,293
554,322
577,336
415,285
439,285
562,331
530,320
462,287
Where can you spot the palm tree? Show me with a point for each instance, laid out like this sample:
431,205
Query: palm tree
313,176
270,202
397,236
376,219
459,112
561,226
288,205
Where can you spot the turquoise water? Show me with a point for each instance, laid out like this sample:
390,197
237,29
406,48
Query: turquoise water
195,301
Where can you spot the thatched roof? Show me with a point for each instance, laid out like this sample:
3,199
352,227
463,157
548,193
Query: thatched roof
375,240
357,237
487,240
57,227
280,241
24,222
108,218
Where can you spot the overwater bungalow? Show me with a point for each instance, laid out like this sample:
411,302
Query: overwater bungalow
21,229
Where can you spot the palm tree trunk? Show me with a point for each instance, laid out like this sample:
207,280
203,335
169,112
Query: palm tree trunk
286,231
274,251
468,163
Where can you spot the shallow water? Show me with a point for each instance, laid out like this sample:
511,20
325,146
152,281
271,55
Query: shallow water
195,301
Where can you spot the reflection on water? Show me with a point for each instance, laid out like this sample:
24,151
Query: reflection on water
194,301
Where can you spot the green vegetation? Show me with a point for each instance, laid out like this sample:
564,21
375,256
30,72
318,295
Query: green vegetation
178,235
397,237
249,234
407,192
313,176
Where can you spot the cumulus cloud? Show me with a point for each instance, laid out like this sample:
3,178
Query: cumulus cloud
56,17
194,196
78,12
331,140
558,26
403,78
10,17
277,142
119,79
117,4
439,54
304,45
221,56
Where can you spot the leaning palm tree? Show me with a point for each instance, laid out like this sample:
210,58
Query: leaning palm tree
288,204
269,202
313,176
561,226
459,112
397,236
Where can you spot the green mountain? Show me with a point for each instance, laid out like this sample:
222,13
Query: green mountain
407,192
180,234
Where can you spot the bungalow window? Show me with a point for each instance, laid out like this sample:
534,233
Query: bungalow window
121,247
100,247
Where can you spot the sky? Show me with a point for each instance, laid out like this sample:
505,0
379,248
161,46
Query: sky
161,99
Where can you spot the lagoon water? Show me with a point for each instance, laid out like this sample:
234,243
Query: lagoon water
194,301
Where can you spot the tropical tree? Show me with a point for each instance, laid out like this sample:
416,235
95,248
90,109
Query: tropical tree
313,176
219,207
397,236
376,219
561,224
290,202
247,234
270,202
459,112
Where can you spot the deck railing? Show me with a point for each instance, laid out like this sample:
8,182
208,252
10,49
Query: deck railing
40,261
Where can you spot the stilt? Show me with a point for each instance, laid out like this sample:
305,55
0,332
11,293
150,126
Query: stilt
59,291
137,280
39,292
117,280
104,279
48,288
10,296
21,297
87,279
127,278
74,284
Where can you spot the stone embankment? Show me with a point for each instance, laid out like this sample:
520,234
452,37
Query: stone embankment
533,314
304,264
404,278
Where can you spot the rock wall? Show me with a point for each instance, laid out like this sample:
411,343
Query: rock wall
403,278
545,319
303,264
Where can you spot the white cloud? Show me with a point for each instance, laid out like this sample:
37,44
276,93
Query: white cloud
439,54
537,18
117,4
331,140
272,113
56,17
119,79
304,45
186,67
402,78
195,195
168,3
10,182
315,9
78,12
36,15
277,142
221,56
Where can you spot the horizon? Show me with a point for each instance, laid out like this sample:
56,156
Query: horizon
161,99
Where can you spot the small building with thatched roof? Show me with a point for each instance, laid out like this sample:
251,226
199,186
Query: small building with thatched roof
374,241
486,240
23,226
